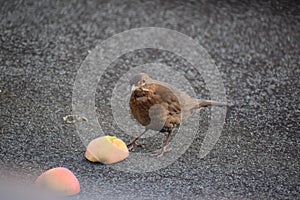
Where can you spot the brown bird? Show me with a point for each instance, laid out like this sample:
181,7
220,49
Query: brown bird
161,107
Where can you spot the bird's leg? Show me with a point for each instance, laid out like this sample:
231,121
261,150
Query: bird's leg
133,143
164,149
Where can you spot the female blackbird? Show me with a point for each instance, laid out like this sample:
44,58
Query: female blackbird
161,107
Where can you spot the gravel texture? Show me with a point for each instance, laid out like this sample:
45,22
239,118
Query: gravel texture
256,46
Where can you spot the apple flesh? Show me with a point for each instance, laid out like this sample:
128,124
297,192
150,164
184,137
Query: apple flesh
107,150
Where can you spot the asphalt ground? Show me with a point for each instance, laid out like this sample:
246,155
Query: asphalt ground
255,46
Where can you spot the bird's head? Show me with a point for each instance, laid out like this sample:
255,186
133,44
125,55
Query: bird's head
139,80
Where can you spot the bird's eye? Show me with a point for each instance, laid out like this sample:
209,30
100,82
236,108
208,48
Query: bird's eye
144,81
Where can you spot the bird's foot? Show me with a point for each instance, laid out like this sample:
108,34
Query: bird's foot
133,144
160,152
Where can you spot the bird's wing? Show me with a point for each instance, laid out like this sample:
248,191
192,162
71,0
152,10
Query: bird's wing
166,96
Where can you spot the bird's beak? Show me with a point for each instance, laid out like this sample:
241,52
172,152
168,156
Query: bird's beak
133,87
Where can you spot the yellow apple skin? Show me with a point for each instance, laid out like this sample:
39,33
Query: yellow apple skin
107,150
59,180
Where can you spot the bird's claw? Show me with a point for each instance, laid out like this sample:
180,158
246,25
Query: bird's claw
131,145
159,153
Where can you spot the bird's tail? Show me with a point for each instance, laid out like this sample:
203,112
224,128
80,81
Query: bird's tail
206,103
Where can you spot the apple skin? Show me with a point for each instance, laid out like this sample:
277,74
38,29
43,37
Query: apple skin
59,180
107,150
